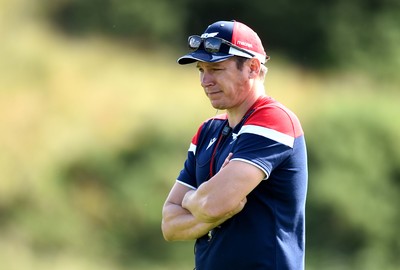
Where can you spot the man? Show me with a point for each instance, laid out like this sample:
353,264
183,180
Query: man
242,191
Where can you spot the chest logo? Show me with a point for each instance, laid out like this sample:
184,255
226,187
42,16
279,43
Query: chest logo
212,141
234,136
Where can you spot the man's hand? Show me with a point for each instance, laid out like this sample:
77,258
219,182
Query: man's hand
189,214
228,158
197,209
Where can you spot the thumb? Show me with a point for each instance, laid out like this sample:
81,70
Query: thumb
227,160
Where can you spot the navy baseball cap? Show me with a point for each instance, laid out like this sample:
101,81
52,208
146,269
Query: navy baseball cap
235,38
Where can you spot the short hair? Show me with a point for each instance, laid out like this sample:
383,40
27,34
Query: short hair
240,62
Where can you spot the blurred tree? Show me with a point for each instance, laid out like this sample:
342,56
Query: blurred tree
317,34
141,21
120,193
354,160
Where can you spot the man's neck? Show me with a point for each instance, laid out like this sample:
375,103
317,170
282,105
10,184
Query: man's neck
235,115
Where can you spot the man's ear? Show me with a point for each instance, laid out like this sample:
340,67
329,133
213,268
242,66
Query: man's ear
255,67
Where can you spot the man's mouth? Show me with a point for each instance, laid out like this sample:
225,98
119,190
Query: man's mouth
213,93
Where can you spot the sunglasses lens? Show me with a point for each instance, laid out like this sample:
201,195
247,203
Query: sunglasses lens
212,45
194,42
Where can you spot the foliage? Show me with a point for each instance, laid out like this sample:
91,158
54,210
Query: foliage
318,34
145,21
354,157
120,195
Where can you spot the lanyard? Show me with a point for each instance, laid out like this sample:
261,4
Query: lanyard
225,131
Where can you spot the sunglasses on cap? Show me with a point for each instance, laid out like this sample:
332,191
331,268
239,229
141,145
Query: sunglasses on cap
212,44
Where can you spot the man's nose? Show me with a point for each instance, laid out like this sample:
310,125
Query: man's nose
206,79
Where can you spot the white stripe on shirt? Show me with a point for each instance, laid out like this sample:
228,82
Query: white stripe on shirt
186,185
192,148
268,133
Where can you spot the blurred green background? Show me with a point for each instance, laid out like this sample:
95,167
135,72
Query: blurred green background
96,118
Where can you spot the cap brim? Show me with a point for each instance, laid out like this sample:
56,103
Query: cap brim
203,56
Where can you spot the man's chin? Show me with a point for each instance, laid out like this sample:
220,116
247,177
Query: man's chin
218,106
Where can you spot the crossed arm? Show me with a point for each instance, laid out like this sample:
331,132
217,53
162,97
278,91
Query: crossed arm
189,214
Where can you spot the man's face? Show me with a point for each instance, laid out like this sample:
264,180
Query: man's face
224,84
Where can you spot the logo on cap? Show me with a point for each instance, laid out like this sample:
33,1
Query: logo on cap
244,43
207,35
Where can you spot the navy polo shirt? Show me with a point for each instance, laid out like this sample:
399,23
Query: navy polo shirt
269,233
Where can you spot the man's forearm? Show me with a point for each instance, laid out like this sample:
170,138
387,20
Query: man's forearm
179,224
198,206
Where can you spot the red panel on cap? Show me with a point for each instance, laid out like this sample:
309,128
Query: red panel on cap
244,37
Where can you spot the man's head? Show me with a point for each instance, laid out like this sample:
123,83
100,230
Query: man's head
223,40
232,82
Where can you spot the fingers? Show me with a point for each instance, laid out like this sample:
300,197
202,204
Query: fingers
227,160
239,207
